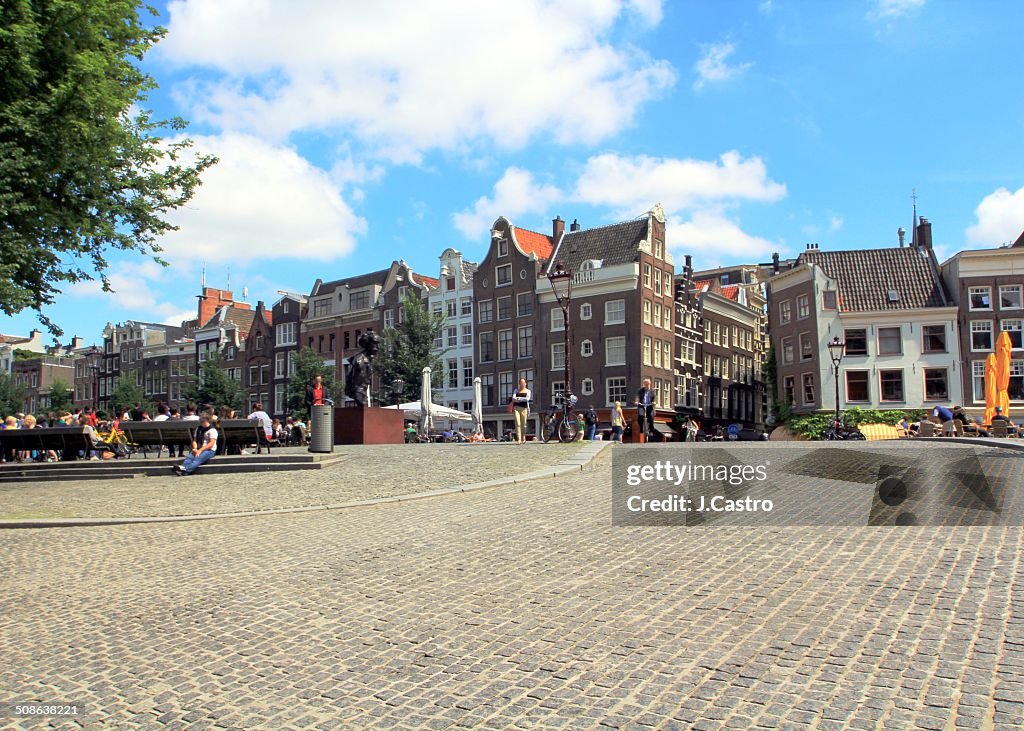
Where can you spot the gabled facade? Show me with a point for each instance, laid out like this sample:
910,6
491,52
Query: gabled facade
257,368
123,346
9,343
286,315
452,299
689,353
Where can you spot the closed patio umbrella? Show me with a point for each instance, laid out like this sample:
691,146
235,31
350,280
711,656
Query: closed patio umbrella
478,407
1003,350
991,389
426,394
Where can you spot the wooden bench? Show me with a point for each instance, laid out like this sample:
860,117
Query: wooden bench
68,440
160,434
243,432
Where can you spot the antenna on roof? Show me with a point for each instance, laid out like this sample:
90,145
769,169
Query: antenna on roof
913,195
204,274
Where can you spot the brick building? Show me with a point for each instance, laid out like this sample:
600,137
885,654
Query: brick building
37,376
286,315
258,361
123,346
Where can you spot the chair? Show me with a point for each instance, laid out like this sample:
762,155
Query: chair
927,429
1000,429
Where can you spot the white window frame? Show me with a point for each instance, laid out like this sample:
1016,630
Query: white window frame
619,305
497,275
557,320
587,348
558,356
1011,287
619,382
612,347
586,311
971,291
976,328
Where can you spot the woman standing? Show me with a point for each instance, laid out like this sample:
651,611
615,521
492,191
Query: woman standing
521,410
618,420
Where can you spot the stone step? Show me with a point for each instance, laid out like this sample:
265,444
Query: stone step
71,471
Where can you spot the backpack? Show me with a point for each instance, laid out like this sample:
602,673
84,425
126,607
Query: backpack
590,417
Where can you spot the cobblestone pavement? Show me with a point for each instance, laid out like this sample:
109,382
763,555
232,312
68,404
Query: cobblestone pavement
367,472
520,607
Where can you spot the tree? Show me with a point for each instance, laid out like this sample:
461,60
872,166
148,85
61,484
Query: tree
408,348
308,363
83,170
12,396
60,396
125,395
214,386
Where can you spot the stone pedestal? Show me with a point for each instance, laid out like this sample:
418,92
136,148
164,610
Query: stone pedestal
369,426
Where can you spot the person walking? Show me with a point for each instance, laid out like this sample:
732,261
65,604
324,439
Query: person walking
202,451
590,421
645,410
618,422
521,410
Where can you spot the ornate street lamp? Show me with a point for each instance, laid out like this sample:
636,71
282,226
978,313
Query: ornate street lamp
94,354
397,389
561,284
836,350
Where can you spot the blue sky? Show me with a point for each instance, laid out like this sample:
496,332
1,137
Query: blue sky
352,135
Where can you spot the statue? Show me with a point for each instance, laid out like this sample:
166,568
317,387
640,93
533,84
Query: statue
361,372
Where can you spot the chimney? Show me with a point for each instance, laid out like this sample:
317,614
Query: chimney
575,226
557,227
688,267
924,234
901,232
775,263
77,342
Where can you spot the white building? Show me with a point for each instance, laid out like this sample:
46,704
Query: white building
453,299
10,343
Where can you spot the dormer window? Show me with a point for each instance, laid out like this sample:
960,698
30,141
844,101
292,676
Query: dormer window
502,247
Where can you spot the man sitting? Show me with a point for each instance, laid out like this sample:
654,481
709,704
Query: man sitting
1011,428
202,451
258,414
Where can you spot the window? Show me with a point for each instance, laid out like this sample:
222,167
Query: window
657,354
892,384
666,317
502,247
402,291
707,331
615,390
503,275
322,308
659,249
667,348
735,336
803,307
284,307
259,342
504,308
1013,328
449,284
657,315
285,333
808,381
557,320
934,338
437,309
586,311
647,350
524,305
890,341
557,391
614,312
981,335
485,311
647,311
467,372
280,364
487,389
264,374
980,298
787,350
557,356
359,300
504,345
587,348
450,308
1009,297
615,351
389,319
657,281
254,375
785,311
829,300
936,382
1016,387
279,398
857,386
789,389
453,373
453,336
467,335
587,387
506,386
978,380
467,406
438,340
856,341
526,342
647,276
806,346
486,347
466,306
715,334
527,375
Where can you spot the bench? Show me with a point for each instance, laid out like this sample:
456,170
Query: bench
243,432
160,434
68,440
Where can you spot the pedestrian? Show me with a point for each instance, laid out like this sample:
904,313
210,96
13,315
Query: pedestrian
590,421
645,410
618,422
316,393
944,416
520,401
204,447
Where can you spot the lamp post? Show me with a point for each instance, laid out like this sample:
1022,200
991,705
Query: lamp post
397,389
94,353
561,285
836,350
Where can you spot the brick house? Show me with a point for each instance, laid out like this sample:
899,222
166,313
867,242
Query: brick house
123,346
258,361
37,375
689,360
286,315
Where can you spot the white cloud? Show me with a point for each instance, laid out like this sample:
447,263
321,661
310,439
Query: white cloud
835,223
765,7
515,194
715,239
882,9
406,78
261,201
1000,218
713,66
145,289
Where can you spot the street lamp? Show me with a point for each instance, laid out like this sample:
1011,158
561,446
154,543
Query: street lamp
94,353
561,284
397,389
836,350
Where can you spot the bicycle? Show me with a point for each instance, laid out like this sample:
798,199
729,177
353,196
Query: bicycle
115,441
560,421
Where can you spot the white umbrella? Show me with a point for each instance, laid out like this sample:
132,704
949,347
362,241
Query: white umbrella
426,403
438,411
478,408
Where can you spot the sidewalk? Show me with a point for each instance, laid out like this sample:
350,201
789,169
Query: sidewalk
362,475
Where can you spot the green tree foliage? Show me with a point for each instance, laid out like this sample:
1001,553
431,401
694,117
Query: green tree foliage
125,395
214,387
60,396
408,348
83,170
12,396
307,364
813,425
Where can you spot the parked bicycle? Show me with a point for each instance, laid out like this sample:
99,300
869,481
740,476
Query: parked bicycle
839,431
561,422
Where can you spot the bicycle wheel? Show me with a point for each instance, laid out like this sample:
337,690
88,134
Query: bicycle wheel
568,430
549,429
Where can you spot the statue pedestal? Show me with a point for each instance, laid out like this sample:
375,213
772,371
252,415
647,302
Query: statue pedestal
369,426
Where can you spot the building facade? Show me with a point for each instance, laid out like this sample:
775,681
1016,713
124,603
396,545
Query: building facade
452,299
286,315
38,375
9,343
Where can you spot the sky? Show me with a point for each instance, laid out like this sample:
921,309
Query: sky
351,134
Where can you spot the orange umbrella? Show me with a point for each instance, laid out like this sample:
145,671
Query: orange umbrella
1003,350
991,389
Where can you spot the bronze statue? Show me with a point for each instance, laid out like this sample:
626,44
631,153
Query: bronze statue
361,372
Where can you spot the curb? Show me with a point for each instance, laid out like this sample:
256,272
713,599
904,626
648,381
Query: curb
575,463
977,442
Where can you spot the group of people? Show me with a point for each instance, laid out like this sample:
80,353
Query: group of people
86,418
948,418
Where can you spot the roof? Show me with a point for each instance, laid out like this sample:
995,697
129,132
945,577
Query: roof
360,280
866,277
532,242
616,243
731,292
428,282
228,315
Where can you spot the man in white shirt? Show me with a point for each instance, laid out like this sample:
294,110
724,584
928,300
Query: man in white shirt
201,453
258,414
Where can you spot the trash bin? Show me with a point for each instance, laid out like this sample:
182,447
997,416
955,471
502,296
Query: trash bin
321,428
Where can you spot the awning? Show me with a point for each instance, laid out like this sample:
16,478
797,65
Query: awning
664,429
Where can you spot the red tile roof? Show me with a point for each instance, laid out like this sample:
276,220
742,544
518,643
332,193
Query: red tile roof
731,292
532,242
701,284
427,281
